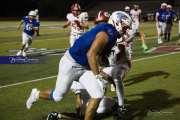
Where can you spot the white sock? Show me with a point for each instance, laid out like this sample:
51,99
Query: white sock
119,91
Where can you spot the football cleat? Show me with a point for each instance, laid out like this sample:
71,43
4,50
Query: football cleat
144,46
24,54
32,98
19,53
160,41
53,116
119,113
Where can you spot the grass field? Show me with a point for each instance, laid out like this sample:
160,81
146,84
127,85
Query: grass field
152,89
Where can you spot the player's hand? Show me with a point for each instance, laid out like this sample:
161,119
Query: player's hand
106,77
18,28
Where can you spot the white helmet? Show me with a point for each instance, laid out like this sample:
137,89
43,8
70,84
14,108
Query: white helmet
120,20
169,6
36,10
163,5
32,13
127,8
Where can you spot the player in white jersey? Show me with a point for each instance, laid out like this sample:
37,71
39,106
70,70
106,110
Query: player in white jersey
135,15
78,21
106,105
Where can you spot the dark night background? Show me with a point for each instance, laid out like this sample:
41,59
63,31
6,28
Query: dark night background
47,8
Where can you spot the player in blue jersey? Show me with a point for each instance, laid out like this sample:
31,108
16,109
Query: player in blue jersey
38,21
30,26
170,17
161,22
82,56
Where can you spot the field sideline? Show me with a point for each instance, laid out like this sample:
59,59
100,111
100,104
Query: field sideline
152,89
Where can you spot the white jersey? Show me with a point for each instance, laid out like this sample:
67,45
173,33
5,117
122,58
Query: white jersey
76,21
135,14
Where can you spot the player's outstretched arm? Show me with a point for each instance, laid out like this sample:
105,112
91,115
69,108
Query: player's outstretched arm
19,25
67,24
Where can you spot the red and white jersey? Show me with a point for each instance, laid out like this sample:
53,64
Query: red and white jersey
135,14
76,22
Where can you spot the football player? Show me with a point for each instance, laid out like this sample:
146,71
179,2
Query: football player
78,21
161,22
88,86
30,26
106,105
38,22
82,56
170,17
135,14
101,17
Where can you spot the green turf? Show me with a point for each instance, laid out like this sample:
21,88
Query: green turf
151,88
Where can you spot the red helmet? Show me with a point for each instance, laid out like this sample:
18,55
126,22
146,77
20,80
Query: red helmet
75,7
102,16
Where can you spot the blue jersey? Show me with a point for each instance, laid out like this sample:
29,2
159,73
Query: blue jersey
81,46
170,16
29,25
162,15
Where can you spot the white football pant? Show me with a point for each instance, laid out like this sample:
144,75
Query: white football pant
69,71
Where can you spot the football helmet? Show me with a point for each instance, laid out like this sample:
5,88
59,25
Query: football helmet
32,13
102,16
120,20
75,9
127,9
169,6
163,5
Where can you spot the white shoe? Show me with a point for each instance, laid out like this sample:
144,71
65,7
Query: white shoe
24,54
19,53
32,98
160,41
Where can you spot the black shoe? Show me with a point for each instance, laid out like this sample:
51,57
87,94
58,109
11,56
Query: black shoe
53,116
120,112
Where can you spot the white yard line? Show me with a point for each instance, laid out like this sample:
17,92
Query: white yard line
40,79
25,82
